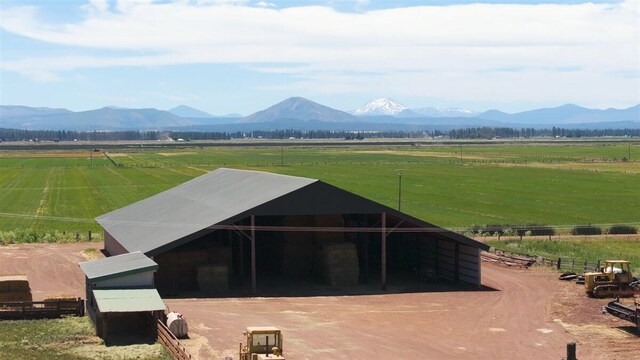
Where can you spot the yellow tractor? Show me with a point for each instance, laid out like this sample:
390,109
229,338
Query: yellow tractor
263,343
613,279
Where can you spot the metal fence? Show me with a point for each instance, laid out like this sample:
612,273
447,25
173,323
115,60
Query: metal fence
566,264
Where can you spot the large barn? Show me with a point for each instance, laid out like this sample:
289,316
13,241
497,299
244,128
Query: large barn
249,229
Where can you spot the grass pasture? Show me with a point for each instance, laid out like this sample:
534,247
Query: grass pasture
65,339
578,248
491,184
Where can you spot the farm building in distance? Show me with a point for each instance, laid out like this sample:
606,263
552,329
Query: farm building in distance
236,227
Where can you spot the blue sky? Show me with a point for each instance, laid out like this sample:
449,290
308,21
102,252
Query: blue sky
239,56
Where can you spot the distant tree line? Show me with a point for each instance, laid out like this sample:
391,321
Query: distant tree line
468,133
491,133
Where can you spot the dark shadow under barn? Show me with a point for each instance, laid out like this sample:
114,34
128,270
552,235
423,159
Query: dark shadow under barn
315,255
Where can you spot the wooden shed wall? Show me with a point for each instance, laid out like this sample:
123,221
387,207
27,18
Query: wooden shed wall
134,280
112,246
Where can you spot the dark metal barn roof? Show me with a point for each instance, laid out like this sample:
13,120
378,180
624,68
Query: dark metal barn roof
224,196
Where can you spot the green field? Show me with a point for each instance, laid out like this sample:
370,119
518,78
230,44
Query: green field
580,249
453,186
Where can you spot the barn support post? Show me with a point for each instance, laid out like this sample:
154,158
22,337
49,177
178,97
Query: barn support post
253,253
241,257
479,257
456,273
366,259
383,254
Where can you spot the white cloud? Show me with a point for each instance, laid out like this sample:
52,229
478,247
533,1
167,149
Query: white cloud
265,4
443,46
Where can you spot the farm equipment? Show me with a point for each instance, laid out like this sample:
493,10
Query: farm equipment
625,312
263,343
613,279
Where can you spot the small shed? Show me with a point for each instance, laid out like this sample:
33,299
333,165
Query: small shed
121,298
127,313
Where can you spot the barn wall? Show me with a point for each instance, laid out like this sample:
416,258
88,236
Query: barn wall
469,264
140,279
112,246
446,266
428,250
458,262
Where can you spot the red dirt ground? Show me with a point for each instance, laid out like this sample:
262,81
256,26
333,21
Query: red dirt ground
52,269
531,316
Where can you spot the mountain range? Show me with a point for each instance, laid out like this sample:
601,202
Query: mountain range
303,114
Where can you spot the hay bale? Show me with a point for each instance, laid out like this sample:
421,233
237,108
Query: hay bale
213,278
15,288
340,264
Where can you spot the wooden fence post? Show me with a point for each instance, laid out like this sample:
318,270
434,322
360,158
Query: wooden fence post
559,263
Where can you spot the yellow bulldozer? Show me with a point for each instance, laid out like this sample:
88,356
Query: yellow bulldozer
263,343
614,279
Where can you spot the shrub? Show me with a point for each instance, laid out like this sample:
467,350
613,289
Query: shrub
622,229
586,230
534,230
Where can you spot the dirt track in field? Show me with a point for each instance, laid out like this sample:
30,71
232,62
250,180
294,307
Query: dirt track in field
529,315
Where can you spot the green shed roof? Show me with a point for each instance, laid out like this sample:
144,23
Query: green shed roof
117,266
128,300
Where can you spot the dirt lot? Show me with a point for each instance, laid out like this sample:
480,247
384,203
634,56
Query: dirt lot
52,269
529,315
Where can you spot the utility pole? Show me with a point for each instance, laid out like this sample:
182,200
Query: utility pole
399,188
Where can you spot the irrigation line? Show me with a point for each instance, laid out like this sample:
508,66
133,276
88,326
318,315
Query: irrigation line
44,217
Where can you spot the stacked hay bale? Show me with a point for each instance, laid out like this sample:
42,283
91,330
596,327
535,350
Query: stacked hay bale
15,288
340,264
323,238
213,278
178,270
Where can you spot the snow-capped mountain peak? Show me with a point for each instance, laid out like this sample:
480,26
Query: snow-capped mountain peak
382,106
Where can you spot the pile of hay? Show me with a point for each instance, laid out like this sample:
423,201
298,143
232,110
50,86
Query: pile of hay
213,278
15,288
340,264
